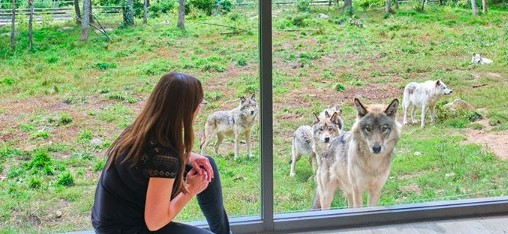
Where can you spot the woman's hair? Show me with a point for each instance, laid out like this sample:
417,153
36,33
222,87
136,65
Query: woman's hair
166,119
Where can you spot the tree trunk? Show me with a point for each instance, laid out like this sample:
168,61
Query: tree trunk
128,13
145,9
85,21
78,12
396,4
30,24
388,7
474,7
347,3
13,22
423,4
181,14
484,6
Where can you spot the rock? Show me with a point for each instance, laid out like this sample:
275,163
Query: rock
458,105
58,213
323,16
96,142
417,153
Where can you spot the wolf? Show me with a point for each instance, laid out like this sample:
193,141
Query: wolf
478,59
312,140
303,142
423,95
236,122
359,160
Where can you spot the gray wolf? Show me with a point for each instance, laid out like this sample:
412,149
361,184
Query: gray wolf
424,96
359,160
326,126
313,140
236,122
478,59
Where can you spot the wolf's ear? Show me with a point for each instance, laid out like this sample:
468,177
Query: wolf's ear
253,97
242,99
391,110
338,109
438,83
316,118
474,54
327,115
360,109
334,117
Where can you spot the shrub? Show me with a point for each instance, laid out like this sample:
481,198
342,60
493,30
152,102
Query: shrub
303,5
65,179
64,119
34,182
40,159
340,87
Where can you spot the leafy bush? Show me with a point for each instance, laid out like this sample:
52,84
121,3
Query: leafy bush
369,3
303,5
213,6
65,179
64,119
204,5
340,87
34,182
40,159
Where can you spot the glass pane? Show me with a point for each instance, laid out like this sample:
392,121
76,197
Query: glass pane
326,55
62,105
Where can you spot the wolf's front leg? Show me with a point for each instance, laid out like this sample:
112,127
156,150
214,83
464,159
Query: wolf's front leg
357,197
247,140
237,136
424,108
373,195
432,113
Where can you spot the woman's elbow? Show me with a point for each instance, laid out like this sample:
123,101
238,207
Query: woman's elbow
153,226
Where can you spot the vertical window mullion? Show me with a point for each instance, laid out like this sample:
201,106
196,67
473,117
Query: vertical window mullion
266,112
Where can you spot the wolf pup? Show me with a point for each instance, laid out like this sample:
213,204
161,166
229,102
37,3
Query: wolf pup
313,140
423,95
359,160
236,122
478,59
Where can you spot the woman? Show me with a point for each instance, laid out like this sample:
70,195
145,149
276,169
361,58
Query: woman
151,172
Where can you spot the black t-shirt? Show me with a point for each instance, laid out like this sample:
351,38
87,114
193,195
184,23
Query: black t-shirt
119,204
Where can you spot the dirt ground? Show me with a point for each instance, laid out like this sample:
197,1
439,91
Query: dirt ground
495,142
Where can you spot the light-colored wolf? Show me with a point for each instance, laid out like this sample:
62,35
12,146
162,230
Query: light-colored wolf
236,122
304,140
424,96
478,59
359,160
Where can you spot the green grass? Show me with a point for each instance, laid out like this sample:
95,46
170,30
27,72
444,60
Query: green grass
65,102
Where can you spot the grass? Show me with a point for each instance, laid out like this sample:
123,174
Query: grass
66,101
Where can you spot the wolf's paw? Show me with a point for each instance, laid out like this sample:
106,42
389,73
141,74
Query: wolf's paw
292,174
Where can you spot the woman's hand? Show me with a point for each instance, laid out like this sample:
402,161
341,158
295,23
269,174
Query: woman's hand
196,183
202,165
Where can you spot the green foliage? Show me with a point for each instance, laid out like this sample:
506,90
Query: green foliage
204,5
98,166
365,4
64,119
65,179
35,182
104,66
303,5
40,159
157,8
85,135
339,87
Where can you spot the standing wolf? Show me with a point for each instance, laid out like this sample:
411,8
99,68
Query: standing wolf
313,140
359,160
423,95
304,140
236,122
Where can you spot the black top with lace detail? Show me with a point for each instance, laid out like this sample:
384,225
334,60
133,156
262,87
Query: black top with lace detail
120,196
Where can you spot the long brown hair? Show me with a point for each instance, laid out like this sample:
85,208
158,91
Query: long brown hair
166,119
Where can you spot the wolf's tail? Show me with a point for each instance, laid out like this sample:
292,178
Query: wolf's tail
293,150
408,91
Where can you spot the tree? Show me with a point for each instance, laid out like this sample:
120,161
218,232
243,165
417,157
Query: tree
145,9
474,7
423,4
78,12
128,13
181,14
85,21
388,7
484,6
13,22
30,24
397,4
348,6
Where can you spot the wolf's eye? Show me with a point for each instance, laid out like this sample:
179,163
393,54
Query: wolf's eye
384,128
367,128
